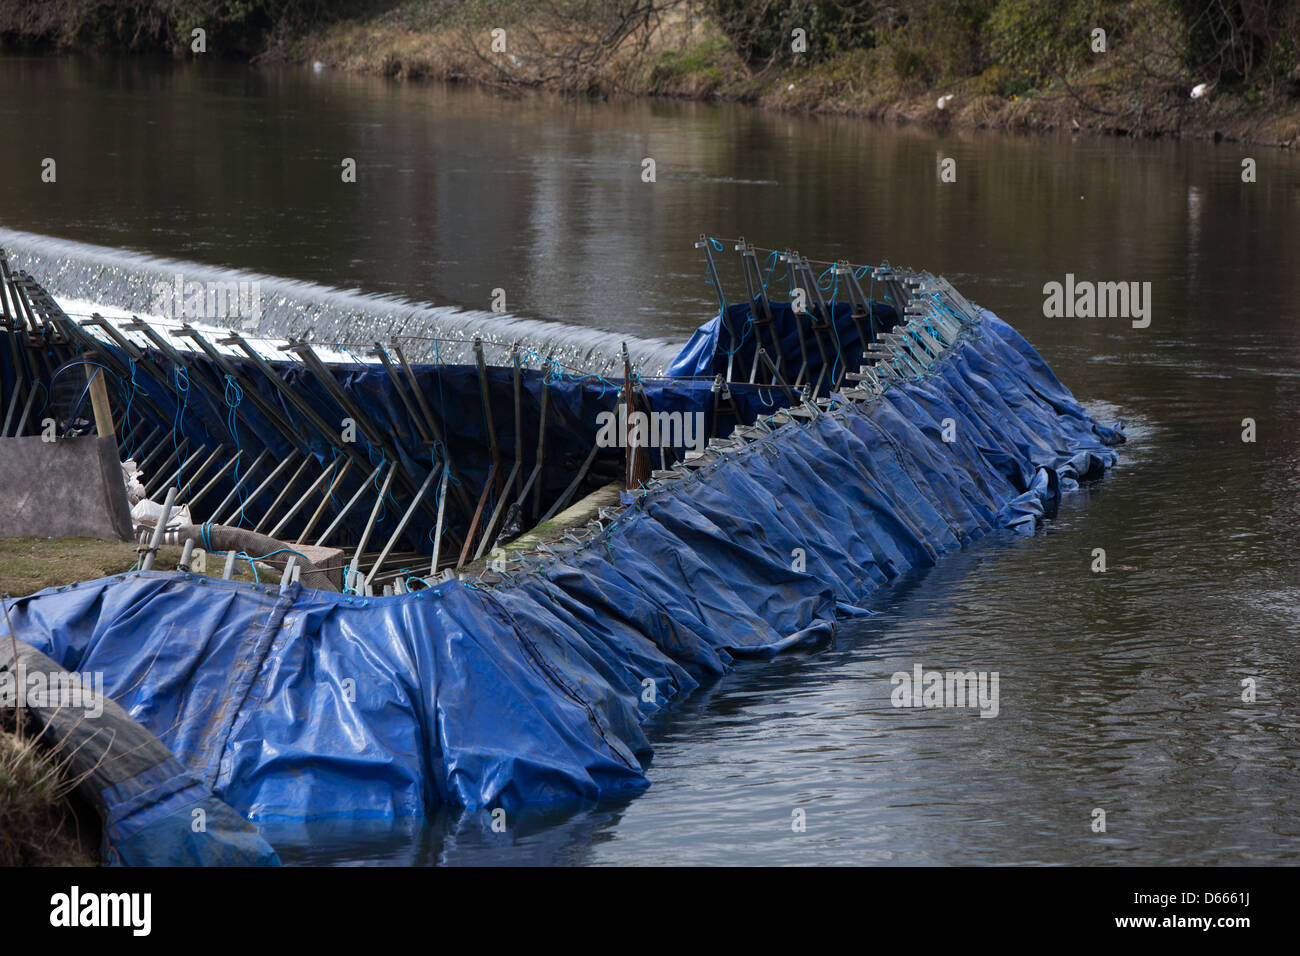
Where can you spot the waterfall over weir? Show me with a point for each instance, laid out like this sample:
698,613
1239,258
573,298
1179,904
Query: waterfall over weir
291,308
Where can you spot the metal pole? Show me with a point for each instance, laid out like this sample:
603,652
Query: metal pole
374,513
275,532
401,525
478,513
234,492
338,519
485,394
437,530
541,437
215,478
573,486
325,498
307,460
269,478
158,530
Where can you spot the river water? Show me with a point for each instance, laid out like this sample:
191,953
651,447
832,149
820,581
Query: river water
1119,691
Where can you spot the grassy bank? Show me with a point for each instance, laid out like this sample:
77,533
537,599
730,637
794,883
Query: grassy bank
1000,64
1005,66
28,565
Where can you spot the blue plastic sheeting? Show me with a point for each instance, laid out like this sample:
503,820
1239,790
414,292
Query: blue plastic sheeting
301,705
150,821
791,340
153,809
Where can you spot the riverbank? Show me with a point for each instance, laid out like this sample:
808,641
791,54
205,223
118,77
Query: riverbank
1012,65
1136,88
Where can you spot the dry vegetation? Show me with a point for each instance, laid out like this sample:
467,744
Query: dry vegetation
1010,64
39,824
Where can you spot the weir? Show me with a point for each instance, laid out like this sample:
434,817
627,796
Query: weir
873,422
130,282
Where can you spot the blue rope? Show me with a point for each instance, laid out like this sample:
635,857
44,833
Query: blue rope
233,396
251,563
181,377
271,554
437,459
771,267
835,331
555,372
129,437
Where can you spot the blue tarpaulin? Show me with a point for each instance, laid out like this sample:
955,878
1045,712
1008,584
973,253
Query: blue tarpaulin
303,704
793,341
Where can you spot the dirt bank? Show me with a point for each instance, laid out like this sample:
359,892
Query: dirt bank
1135,89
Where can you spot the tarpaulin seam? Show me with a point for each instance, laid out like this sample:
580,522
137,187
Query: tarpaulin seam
546,671
242,687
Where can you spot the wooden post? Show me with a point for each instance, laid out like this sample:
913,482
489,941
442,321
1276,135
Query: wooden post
637,457
99,399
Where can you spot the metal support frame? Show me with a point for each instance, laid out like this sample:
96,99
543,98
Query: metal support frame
401,525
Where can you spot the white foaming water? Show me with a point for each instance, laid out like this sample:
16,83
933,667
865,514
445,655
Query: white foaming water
86,278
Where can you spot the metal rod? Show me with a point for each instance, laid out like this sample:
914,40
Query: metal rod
437,529
288,486
478,513
13,401
541,437
776,376
347,507
712,269
215,478
266,481
150,457
377,438
269,411
158,530
411,411
401,525
496,513
519,421
288,515
573,486
22,419
150,487
174,477
326,497
458,489
374,513
486,396
199,472
234,492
